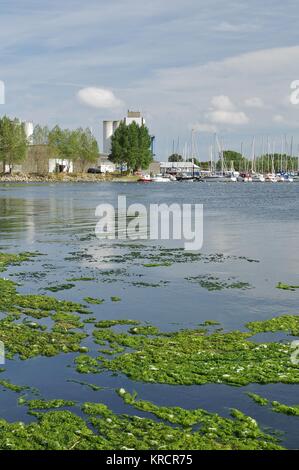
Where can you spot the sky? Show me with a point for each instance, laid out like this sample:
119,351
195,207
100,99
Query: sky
217,66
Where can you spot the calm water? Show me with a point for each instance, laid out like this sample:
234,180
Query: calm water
256,221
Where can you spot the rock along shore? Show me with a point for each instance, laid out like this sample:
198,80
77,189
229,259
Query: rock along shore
66,178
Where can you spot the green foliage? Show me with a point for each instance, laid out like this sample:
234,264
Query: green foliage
78,145
277,162
131,146
175,157
40,135
13,142
235,159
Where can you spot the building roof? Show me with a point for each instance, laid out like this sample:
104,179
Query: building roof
178,165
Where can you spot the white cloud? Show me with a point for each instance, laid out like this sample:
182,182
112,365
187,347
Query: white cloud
98,98
224,112
222,102
254,102
234,118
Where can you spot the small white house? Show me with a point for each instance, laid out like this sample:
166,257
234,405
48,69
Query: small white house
107,167
57,165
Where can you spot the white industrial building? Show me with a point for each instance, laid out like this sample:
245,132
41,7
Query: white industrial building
187,168
109,127
29,128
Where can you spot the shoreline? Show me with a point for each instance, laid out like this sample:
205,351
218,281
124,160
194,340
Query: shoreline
68,178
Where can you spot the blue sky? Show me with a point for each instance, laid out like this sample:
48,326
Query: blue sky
215,66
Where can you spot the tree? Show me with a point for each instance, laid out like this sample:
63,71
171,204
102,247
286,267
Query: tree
60,143
85,147
131,146
175,157
40,135
233,159
13,142
77,145
120,145
145,148
277,163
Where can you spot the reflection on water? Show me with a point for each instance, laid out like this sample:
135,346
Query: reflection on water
253,221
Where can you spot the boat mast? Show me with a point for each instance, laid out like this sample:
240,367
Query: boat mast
263,152
253,166
273,157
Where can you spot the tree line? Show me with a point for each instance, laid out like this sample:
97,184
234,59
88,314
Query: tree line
131,145
77,145
267,163
13,142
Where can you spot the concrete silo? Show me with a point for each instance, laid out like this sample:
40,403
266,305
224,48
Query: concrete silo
29,128
107,134
115,125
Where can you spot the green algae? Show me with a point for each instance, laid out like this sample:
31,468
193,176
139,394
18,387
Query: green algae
145,330
93,301
288,323
66,321
12,387
157,265
149,284
283,286
7,259
87,365
191,357
210,323
276,406
24,339
212,283
36,306
95,388
60,287
115,299
81,279
258,399
25,342
285,409
176,429
47,404
110,323
55,430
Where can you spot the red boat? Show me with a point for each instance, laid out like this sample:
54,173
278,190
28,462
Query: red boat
145,179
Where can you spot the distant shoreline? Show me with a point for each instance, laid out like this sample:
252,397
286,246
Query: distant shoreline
68,178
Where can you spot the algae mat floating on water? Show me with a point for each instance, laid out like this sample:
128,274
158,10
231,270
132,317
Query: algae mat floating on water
199,356
64,430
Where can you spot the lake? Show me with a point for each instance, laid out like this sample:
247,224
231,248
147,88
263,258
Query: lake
252,227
